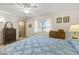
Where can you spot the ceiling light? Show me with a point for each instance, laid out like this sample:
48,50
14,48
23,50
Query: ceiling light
27,8
27,11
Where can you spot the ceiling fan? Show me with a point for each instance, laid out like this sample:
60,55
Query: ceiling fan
27,7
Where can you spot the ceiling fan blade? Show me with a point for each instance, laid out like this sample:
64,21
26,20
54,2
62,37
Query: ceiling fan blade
20,5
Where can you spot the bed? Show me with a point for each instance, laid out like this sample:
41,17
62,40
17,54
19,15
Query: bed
41,45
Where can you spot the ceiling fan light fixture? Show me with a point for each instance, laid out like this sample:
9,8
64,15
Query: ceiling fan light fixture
28,8
27,11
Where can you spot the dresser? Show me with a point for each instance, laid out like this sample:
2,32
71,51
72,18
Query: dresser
9,35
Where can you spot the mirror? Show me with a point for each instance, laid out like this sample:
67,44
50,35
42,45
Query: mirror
22,28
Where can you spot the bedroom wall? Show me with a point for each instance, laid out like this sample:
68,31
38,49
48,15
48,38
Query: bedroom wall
30,31
74,19
8,17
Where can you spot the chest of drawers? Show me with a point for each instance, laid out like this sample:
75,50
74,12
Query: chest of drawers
9,35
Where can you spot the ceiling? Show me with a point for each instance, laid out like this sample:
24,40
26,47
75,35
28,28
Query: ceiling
44,8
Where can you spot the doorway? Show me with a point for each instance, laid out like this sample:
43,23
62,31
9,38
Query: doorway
22,28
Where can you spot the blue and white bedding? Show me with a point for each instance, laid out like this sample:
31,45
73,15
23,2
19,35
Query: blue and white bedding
40,45
75,44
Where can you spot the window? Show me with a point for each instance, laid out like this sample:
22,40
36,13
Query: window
42,26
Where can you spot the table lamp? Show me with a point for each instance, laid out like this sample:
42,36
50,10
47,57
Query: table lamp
74,29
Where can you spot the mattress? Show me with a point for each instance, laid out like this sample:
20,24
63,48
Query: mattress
40,45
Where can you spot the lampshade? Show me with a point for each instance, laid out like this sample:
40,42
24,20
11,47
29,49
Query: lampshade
74,28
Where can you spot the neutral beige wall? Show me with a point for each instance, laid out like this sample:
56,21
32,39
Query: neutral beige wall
29,30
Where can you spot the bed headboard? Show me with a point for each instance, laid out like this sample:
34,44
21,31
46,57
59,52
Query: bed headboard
57,34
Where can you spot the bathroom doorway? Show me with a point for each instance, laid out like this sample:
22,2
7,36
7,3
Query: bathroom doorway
22,28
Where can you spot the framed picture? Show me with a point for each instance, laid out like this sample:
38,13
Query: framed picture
30,25
59,20
66,19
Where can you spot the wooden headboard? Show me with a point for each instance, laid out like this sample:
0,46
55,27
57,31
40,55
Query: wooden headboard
57,34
